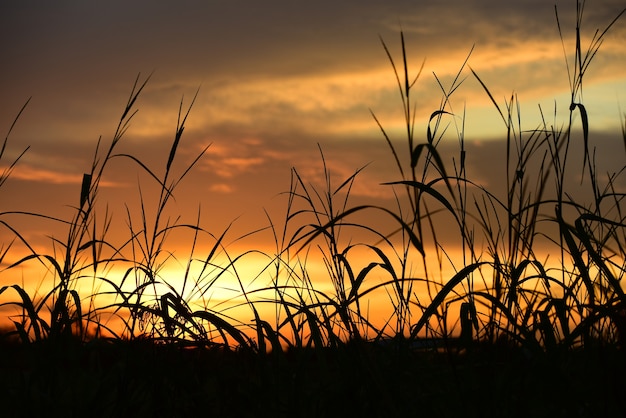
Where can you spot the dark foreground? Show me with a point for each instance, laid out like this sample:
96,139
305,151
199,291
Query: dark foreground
140,379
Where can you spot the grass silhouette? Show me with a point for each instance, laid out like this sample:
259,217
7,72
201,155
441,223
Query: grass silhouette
507,335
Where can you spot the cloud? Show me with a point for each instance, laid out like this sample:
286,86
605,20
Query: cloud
221,188
314,66
45,176
30,173
230,158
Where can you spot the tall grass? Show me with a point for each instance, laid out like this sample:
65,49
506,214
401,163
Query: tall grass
507,293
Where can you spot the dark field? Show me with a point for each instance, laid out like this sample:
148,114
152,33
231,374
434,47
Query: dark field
141,379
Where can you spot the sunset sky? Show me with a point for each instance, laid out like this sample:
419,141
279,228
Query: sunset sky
276,79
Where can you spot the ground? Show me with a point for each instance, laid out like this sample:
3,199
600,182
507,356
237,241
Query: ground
117,378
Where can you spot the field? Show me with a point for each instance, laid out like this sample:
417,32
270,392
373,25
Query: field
138,378
511,332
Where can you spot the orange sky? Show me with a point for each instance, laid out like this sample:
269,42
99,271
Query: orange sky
275,80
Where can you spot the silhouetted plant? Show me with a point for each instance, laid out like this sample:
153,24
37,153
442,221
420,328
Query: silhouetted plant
505,294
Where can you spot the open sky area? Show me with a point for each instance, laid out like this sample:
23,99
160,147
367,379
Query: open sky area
276,81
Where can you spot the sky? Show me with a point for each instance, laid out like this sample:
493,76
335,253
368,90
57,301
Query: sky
277,81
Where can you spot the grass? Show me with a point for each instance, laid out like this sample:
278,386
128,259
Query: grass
507,334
